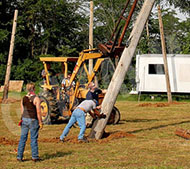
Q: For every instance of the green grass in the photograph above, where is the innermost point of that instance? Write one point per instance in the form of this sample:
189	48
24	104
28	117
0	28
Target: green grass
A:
124	97
153	97
153	145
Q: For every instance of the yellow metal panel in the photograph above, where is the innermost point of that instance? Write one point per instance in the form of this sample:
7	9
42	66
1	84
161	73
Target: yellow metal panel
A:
58	59
96	67
49	86
73	96
86	70
66	70
87	56
82	93
47	74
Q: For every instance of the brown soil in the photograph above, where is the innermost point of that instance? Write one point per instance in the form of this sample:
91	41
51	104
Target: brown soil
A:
4	141
158	104
107	137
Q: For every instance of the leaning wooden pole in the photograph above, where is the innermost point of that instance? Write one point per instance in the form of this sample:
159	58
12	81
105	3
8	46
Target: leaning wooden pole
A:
164	56
121	70
91	35
10	58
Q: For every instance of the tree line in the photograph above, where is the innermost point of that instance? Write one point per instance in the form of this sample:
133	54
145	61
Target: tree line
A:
60	28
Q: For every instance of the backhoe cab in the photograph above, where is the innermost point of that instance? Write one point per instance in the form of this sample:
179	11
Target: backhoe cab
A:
58	100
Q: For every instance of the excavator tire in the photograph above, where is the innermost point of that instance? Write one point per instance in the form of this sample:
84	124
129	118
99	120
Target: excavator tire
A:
49	107
45	113
113	119
114	116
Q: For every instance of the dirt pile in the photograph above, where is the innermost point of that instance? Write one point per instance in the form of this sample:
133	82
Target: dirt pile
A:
107	137
154	105
5	141
158	104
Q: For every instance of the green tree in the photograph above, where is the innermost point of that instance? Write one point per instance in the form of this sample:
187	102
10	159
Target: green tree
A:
61	28
185	36
52	26
44	27
107	13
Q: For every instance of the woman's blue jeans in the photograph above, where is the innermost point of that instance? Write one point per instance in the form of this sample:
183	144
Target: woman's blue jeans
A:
79	116
31	125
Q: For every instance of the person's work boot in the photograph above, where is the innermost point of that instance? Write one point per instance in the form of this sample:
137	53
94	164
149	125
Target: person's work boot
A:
36	159
20	160
62	140
84	140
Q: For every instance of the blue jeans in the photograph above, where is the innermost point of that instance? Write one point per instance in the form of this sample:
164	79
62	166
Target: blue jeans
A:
79	116
33	126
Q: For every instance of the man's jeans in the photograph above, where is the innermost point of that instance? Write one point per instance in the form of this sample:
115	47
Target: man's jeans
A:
79	116
33	126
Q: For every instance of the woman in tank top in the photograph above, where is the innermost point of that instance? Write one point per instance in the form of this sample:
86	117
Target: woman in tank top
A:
31	121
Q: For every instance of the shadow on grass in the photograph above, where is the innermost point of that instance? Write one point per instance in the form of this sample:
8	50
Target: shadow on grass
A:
139	120
160	126
48	156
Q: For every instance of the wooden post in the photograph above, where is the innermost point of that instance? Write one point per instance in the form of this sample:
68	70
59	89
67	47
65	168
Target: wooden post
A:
91	36
120	72
148	36
10	57
164	56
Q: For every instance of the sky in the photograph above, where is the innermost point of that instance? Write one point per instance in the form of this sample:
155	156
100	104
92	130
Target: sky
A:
179	14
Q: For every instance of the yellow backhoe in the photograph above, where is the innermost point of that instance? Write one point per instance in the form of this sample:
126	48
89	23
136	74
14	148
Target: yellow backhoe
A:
58	101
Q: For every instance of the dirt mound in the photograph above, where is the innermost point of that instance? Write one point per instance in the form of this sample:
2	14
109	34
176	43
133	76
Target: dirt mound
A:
5	141
107	137
145	105
57	140
10	100
178	103
158	104
154	105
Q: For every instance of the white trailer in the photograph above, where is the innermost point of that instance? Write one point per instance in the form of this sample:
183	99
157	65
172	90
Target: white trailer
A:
150	75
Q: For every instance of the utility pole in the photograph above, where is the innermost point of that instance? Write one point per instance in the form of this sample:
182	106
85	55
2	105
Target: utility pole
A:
164	55
91	35
10	58
121	70
148	36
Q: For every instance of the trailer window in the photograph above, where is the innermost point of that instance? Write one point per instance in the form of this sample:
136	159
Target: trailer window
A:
156	69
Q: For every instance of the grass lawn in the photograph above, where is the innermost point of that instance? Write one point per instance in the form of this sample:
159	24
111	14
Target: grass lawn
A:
145	138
